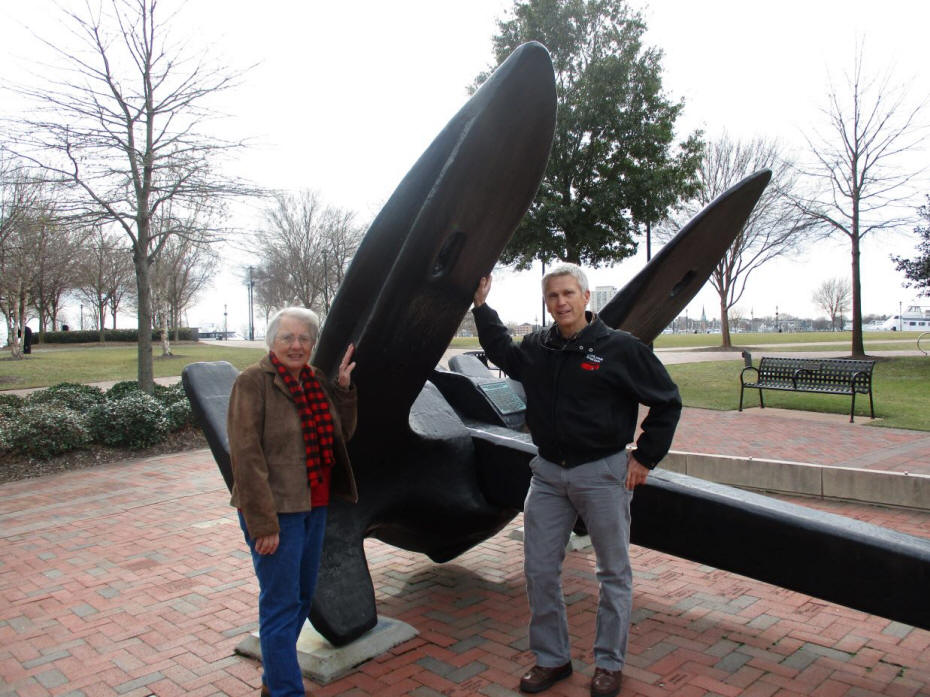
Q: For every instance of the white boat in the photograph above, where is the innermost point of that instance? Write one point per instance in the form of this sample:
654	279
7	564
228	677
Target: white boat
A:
915	318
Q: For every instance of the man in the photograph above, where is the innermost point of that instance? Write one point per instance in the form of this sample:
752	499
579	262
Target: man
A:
584	383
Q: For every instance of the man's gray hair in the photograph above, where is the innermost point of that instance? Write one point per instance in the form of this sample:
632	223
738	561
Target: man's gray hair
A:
567	269
308	317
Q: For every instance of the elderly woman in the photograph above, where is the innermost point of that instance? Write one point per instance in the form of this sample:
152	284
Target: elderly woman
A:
288	426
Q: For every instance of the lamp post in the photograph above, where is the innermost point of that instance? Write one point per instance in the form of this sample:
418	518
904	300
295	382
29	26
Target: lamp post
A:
900	318
251	316
225	324
544	297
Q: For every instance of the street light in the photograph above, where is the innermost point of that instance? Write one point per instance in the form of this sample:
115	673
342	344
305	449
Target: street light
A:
251	316
544	297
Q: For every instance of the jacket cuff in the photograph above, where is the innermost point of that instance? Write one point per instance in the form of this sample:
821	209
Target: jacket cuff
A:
645	460
260	525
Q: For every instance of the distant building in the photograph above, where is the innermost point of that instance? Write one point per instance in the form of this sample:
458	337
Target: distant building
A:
601	296
523	329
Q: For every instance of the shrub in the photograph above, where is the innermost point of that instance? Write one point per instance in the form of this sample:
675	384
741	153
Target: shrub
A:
135	421
44	430
179	415
92	336
123	389
5	424
7	411
12	401
78	397
169	394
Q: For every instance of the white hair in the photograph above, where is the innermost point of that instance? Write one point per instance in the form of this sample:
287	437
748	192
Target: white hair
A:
308	317
567	269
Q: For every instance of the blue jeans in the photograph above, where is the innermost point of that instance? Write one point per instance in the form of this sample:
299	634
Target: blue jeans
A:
286	581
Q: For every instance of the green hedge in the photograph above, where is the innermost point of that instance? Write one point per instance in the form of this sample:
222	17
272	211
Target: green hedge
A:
69	416
89	336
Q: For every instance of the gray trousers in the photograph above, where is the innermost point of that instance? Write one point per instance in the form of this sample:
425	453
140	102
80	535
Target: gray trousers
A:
596	491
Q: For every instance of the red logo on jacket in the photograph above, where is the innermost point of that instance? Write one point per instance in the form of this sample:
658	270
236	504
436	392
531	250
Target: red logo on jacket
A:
591	362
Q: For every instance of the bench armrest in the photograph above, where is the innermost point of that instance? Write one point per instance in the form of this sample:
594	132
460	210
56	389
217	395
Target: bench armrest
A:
868	379
743	371
798	373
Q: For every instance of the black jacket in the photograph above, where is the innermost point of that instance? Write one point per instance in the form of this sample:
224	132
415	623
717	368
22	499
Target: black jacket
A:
583	395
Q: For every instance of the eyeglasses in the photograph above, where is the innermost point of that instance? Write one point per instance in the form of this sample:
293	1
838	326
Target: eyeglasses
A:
288	339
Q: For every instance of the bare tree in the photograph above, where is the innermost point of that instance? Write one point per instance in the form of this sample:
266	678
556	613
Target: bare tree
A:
304	252
833	296
58	243
124	128
15	202
860	186
17	195
104	270
774	229
182	271
271	289
20	251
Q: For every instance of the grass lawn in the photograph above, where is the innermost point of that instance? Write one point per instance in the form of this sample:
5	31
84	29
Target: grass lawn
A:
900	387
772	341
48	365
825	341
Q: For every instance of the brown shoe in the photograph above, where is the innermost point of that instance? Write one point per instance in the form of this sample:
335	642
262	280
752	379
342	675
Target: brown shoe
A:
538	678
606	683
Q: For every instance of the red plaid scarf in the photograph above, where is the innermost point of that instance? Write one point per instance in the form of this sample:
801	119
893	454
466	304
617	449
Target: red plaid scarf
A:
316	421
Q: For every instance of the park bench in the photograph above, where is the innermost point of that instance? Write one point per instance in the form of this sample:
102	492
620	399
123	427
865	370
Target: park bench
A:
820	375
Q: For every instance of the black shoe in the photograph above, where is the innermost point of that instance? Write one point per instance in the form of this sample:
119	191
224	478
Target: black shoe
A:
538	678
606	683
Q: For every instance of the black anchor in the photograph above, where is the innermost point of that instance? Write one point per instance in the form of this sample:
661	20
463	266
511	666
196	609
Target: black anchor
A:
438	474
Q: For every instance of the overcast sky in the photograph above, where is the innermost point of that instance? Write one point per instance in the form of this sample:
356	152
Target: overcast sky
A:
345	96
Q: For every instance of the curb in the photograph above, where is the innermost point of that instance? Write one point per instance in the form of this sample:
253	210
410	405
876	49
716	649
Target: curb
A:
901	489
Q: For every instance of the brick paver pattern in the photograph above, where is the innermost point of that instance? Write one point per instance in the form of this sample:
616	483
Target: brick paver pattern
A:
132	579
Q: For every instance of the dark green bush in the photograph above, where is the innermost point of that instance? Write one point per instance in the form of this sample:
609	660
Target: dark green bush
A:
169	394
75	396
91	336
4	431
179	415
123	389
13	401
44	430
135	421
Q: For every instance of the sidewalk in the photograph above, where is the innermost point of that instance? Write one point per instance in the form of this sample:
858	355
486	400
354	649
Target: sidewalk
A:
132	579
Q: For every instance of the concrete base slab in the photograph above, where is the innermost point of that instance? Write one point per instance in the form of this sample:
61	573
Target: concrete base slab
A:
322	662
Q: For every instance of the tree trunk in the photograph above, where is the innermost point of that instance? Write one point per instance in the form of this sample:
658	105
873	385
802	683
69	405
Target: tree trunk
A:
19	327
858	347
144	315
725	340
165	337
101	321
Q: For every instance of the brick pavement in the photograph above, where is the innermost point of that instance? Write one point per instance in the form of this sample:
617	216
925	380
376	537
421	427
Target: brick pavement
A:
132	579
821	439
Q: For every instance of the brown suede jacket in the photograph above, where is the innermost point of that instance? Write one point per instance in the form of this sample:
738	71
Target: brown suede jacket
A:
267	448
